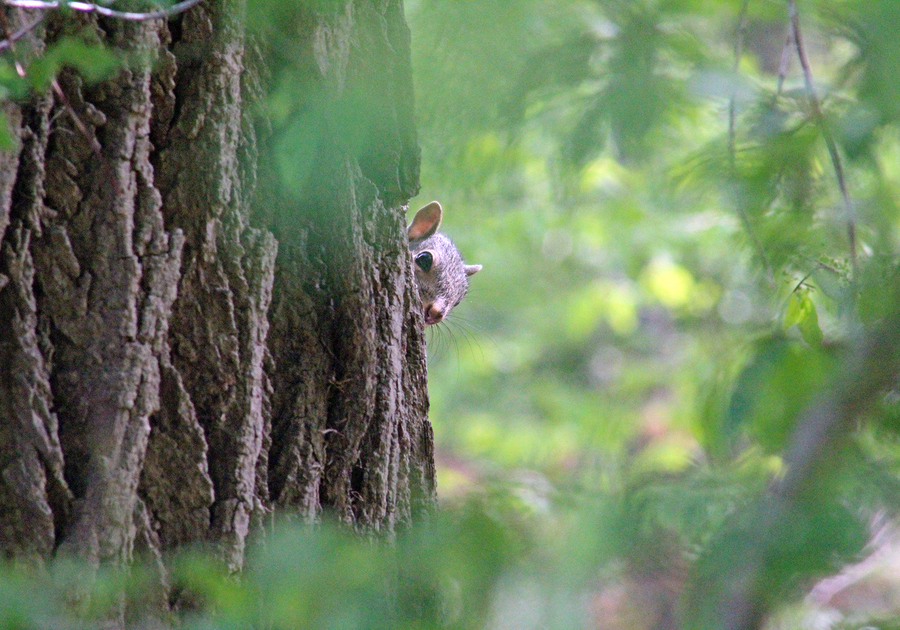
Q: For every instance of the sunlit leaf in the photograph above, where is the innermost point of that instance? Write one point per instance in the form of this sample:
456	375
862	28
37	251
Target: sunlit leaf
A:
809	325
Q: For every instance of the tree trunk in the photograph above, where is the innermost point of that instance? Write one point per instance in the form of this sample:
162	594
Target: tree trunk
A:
187	343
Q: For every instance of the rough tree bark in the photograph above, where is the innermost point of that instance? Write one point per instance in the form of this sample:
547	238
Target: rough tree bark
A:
185	349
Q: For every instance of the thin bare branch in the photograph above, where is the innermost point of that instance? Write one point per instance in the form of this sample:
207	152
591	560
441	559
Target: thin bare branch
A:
7	34
7	43
785	60
89	7
82	128
739	36
826	134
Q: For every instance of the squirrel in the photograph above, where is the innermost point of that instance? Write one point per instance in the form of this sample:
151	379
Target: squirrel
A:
441	274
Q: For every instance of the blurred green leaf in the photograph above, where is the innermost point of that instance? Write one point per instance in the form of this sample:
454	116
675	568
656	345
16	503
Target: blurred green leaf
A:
782	551
774	387
94	61
809	325
801	311
7	141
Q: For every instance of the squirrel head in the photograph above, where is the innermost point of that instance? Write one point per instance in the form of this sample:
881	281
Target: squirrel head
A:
441	274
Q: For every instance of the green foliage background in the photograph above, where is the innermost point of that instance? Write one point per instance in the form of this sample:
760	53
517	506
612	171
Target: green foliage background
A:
641	283
658	309
662	305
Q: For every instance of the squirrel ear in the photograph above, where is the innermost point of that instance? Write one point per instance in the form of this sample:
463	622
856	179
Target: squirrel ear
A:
426	222
472	269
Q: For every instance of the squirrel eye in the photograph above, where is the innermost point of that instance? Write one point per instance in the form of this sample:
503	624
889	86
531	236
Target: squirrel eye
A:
424	260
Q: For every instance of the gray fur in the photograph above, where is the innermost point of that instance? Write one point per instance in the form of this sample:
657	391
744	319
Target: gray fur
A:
445	283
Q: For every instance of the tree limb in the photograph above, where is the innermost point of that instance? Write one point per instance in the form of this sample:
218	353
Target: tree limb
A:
89	7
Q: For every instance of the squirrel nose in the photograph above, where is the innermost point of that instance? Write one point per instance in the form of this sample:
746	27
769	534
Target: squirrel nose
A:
433	314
